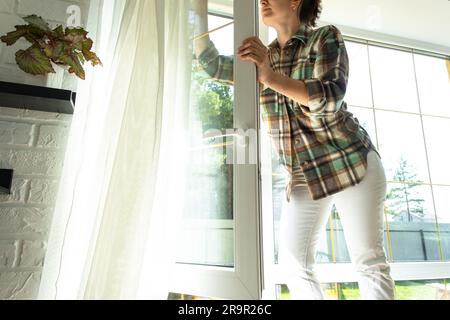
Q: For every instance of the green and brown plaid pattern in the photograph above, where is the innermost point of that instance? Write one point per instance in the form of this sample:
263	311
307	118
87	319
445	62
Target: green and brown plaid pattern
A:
323	140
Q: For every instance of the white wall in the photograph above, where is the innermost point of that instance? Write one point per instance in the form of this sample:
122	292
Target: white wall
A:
33	144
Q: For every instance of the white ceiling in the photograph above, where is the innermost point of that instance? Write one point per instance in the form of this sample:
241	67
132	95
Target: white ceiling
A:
425	21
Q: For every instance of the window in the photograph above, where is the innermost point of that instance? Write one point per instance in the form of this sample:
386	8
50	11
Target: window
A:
208	233
218	240
407	117
390	93
393	79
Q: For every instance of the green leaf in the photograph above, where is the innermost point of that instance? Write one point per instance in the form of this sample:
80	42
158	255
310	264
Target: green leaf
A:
92	57
88	54
53	49
59	32
11	37
33	34
34	61
76	31
76	36
74	63
87	44
37	22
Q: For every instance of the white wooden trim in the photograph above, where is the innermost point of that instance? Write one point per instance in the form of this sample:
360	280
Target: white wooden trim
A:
269	289
247	232
221	7
210	282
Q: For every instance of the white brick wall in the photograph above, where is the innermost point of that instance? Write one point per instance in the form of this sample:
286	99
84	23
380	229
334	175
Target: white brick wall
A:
33	144
11	11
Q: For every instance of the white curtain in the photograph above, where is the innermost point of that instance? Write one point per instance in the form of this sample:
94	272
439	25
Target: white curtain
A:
114	224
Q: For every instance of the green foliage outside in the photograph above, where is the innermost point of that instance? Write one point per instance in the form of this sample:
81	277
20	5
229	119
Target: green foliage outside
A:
214	109
405	290
404	202
215	101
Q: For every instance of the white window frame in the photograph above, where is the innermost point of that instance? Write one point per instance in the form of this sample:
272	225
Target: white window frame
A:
244	280
339	272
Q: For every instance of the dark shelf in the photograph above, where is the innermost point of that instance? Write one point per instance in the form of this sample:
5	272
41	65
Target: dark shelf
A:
23	96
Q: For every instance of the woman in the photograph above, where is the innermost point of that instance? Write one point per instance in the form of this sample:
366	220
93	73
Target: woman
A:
330	158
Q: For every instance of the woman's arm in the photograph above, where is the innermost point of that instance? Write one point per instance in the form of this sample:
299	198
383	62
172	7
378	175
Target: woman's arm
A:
324	93
217	66
291	88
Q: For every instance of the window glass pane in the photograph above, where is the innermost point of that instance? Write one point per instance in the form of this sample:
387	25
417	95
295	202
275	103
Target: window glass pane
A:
207	233
223	38
402	146
435	94
359	91
437	133
393	78
412	233
442	199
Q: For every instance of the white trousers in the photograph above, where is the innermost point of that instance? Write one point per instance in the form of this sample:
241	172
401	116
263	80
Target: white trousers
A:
360	208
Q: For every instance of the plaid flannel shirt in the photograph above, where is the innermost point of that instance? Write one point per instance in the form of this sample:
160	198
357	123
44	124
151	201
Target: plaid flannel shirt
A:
323	141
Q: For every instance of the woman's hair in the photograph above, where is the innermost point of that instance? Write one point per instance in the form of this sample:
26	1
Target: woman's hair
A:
309	12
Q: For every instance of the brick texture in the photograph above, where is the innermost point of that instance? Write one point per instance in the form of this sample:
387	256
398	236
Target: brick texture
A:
32	143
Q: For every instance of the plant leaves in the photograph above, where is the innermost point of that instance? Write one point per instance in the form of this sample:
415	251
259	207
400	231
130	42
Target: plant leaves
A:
53	49
11	37
34	61
88	54
58	32
37	22
32	34
76	32
92	57
63	46
74	63
87	44
76	36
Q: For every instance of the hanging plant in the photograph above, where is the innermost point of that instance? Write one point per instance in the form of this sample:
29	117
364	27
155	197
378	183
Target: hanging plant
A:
66	47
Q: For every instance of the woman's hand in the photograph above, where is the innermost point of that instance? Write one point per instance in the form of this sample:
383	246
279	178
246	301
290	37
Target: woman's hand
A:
253	50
